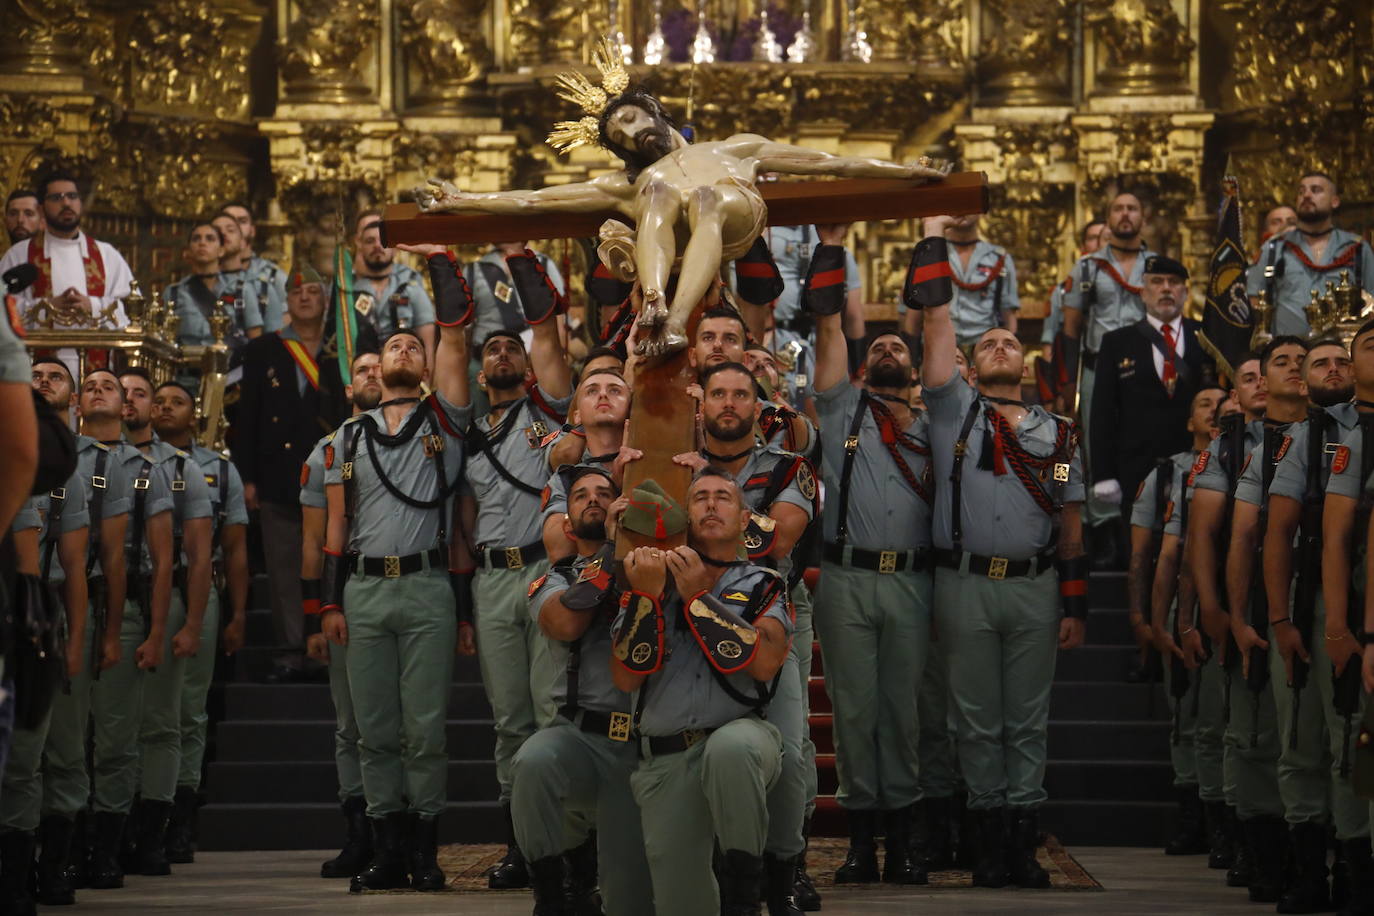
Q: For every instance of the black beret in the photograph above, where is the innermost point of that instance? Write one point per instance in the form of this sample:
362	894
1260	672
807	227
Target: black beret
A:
1161	264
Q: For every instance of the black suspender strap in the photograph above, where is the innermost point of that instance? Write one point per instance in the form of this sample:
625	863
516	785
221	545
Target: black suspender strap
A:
436	453
178	508
1273	269
350	451
223	511
139	521
851	445
512	312
997	297
486	443
97	507
57	501
570	706
956	475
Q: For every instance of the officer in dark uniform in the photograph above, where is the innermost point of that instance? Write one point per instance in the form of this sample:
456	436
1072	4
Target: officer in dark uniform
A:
1008	551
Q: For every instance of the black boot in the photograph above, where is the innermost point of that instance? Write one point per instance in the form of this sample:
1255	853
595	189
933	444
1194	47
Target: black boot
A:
16	873
547	879
934	849
79	854
778	881
1268	841
425	873
510	872
1221	828
581	891
1190	839
1340	874
55	843
966	834
1023	839
128	843
105	871
1360	901
1309	891
357	847
861	862
990	825
387	870
741	883
152	833
808	898
180	848
900	865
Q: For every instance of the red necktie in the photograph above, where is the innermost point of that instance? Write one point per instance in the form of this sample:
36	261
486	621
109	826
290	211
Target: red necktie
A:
1170	374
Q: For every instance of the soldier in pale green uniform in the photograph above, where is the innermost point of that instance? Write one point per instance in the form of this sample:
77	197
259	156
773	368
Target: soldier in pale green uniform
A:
58	522
1252	731
780	489
984	277
267	279
1160	500
529	394
1007	537
174	413
700	638
387	295
581	763
1294	264
386	595
66	783
365	391
1313	793
1103	295
194	297
160	725
873	611
1346	510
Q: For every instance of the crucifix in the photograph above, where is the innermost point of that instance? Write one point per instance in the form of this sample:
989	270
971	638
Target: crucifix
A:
693	207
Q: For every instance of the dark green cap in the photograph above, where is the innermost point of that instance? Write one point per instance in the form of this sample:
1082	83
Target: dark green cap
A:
653	513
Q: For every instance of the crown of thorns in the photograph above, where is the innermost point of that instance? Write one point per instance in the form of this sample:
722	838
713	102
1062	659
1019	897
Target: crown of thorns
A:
575	87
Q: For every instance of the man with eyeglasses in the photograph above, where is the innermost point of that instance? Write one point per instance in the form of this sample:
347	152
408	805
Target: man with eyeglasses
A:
76	273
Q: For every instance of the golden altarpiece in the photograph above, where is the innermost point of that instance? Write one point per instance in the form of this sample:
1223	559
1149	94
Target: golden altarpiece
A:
312	109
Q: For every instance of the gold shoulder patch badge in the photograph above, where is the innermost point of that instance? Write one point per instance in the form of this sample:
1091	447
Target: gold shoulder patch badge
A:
1283	449
590	571
1341	460
328	457
735	596
806	480
536	585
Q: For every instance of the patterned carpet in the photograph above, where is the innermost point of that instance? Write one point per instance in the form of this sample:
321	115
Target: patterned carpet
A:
465	864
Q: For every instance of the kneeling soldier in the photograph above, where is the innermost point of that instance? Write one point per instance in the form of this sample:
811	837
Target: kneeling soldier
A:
703	657
582	762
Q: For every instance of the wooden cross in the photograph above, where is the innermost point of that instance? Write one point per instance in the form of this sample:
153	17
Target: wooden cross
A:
662	422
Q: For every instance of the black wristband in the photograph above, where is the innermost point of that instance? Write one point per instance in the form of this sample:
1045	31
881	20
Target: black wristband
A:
461	583
823	292
332	581
1073	586
928	280
453	301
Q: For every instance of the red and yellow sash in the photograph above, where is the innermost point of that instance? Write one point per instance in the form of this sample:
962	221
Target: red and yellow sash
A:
1120	280
304	360
94	264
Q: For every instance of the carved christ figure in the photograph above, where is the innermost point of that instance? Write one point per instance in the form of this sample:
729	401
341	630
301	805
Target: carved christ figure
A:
693	205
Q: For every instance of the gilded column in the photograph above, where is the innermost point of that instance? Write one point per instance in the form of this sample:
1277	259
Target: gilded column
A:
446	55
322	54
1024	52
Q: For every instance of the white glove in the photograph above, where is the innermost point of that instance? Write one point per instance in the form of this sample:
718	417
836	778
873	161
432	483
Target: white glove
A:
1107	491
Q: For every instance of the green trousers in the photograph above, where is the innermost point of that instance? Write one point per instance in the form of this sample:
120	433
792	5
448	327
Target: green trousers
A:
787	797
21	789
116	700
1207	705
1001	637
1252	749
874	630
938	772
401	637
346	763
514	658
66	781
713	793
803	649
159	721
561	770
197	673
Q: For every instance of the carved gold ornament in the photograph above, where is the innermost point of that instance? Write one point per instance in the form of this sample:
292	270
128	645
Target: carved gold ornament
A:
575	87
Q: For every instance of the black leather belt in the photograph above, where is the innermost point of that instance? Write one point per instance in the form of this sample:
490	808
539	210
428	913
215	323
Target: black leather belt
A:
883	561
995	567
615	726
511	557
395	567
675	744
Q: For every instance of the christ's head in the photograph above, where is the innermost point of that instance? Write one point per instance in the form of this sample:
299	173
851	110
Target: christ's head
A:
636	127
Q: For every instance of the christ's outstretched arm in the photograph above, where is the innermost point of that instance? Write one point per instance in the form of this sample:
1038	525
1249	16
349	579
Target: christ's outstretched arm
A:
609	192
798	160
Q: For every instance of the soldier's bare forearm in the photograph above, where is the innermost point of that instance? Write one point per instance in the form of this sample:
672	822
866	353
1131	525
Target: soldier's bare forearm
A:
1338	527
1163	587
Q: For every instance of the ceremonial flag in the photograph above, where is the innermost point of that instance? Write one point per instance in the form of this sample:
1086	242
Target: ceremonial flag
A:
345	321
1227	322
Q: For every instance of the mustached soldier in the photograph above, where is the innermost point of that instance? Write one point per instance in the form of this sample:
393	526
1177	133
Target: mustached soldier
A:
365	391
1008	536
386	596
780	490
529	394
192	542
49	536
703	654
581	763
66	781
174	414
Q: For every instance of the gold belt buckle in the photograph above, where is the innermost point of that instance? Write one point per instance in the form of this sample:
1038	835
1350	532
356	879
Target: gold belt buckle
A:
887	561
391	567
620	727
693	736
513	558
997	568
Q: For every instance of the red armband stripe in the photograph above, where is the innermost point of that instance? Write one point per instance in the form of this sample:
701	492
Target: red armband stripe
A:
931	272
1073	588
826	278
755	269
